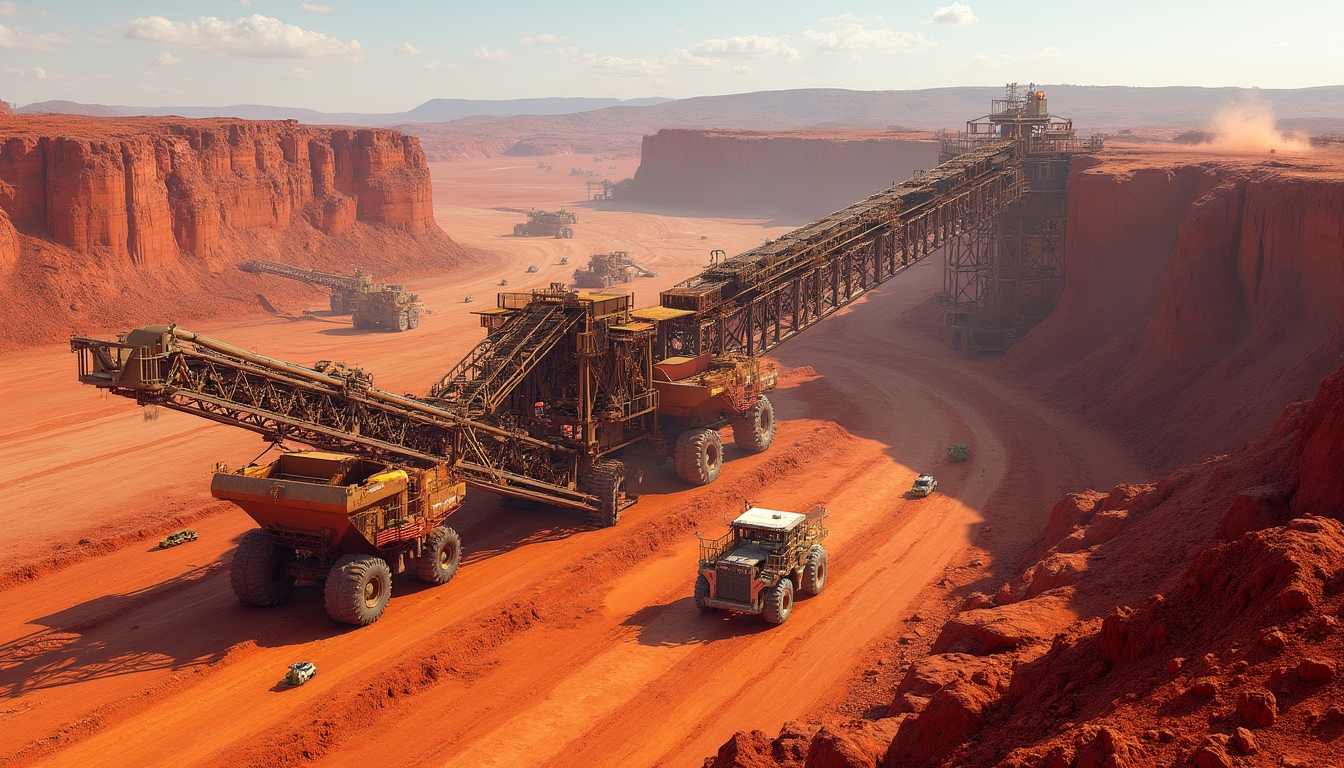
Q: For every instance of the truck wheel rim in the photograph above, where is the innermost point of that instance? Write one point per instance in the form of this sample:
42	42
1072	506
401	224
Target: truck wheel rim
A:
373	590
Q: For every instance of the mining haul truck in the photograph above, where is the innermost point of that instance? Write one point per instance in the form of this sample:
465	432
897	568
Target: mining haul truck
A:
606	269
348	522
765	558
547	224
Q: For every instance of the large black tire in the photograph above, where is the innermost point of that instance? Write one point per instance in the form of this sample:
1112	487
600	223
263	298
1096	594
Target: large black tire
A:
337	305
779	603
259	572
702	594
814	573
756	429
403	322
357	590
413	319
699	456
441	556
358	320
606	481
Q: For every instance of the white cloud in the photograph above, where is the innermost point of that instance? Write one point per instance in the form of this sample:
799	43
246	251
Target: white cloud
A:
432	65
17	39
544	37
314	8
409	50
300	73
848	35
256	36
244	3
166	59
1005	59
18	9
745	47
37	73
954	15
9	9
744	70
497	55
619	66
568	50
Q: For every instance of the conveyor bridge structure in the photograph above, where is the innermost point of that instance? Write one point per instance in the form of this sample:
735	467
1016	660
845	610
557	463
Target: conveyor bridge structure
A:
566	380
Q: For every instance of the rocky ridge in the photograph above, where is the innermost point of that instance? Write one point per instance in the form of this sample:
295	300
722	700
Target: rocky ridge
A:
113	220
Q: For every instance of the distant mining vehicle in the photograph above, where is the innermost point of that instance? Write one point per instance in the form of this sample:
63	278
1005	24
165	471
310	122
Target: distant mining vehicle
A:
372	304
958	453
547	224
348	521
606	269
757	566
533	268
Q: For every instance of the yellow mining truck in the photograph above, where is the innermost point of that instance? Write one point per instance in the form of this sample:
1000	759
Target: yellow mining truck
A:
758	565
699	395
347	521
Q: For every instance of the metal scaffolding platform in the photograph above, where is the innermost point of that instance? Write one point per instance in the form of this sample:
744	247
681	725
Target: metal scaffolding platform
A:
1006	273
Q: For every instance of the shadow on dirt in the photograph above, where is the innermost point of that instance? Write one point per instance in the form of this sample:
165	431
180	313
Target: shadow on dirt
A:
193	620
679	623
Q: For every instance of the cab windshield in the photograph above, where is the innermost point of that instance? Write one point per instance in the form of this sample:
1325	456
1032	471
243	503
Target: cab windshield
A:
765	539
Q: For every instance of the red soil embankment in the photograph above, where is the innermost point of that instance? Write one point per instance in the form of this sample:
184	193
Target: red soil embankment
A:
1201	296
128	220
795	175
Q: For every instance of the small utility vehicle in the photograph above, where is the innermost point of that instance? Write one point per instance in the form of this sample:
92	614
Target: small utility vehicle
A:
924	485
300	672
181	537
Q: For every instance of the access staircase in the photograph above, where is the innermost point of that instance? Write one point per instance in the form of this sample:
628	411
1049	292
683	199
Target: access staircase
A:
485	377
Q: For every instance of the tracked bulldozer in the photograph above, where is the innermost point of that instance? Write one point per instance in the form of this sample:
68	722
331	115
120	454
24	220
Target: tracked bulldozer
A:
371	304
606	269
547	224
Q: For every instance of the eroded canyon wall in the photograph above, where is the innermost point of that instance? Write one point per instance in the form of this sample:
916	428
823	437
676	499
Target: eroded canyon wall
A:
1200	298
123	219
792	175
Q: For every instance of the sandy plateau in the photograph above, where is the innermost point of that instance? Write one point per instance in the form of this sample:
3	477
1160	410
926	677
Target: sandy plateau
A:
562	645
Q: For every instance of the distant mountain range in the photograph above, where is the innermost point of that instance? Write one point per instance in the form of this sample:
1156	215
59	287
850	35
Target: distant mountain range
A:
1100	108
432	111
452	129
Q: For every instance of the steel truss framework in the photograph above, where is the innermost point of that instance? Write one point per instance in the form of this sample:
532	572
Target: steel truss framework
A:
287	402
757	301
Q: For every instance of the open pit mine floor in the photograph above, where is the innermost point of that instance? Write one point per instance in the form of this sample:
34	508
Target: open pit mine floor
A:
557	644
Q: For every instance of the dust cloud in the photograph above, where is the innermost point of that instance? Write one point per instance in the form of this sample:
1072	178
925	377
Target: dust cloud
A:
1249	127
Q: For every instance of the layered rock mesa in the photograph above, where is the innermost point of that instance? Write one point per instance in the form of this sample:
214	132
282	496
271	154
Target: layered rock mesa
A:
148	190
106	221
792	175
1202	294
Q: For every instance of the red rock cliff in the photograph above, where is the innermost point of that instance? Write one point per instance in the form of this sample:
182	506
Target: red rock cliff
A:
1201	297
99	216
796	175
150	189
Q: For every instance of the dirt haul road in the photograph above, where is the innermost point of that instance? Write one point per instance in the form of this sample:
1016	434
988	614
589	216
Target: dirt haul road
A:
556	644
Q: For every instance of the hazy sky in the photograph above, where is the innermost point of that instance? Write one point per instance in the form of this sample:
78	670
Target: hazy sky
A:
391	56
